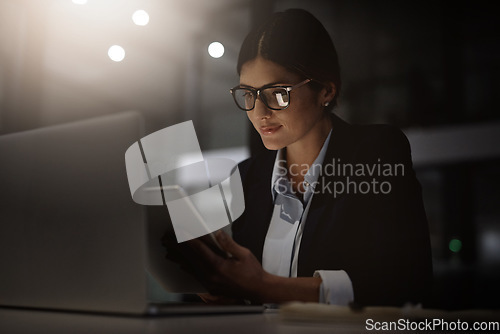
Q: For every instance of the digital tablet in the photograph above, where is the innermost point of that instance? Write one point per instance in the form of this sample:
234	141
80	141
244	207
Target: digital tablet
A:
168	273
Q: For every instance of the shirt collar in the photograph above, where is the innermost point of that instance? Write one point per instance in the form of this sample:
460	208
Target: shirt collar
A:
279	169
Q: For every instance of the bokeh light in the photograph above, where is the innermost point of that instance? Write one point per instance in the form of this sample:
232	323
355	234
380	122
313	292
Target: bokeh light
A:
140	17
455	245
116	53
216	49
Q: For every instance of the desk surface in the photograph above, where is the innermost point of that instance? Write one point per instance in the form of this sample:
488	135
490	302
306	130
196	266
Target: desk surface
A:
14	321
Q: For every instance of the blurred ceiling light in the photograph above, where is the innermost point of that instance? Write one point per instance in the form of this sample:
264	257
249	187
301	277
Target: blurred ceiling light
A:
116	53
80	2
140	17
216	49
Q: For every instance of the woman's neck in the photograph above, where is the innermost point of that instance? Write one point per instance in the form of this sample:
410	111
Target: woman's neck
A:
306	150
301	154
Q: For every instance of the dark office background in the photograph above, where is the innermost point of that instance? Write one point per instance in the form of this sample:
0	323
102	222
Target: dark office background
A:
429	67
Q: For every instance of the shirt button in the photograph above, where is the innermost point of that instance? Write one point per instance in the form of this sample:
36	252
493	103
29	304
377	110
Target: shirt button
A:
306	183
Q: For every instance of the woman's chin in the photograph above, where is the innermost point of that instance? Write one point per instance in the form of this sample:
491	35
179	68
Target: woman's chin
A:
272	146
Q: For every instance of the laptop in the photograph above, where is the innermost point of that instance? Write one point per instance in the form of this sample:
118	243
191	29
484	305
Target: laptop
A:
71	237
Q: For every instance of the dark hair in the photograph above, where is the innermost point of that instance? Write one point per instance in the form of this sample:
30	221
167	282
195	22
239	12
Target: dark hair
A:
296	40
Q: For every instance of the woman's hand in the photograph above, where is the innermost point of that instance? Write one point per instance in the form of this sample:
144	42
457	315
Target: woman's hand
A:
238	276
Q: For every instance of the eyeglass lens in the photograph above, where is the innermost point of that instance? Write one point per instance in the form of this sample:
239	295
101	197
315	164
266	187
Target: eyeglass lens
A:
273	97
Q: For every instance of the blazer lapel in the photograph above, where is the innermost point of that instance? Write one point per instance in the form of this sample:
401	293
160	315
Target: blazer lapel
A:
259	206
324	200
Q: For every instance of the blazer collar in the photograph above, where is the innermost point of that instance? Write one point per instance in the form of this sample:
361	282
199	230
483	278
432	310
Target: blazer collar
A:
259	203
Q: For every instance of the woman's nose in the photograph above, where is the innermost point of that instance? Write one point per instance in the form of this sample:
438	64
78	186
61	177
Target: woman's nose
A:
261	110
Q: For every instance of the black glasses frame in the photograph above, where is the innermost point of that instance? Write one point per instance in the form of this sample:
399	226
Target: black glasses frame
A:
256	93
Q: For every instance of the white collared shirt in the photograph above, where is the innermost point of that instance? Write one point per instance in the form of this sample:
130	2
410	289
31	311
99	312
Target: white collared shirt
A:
282	243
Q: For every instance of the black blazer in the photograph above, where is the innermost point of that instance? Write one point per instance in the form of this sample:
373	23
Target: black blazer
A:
380	240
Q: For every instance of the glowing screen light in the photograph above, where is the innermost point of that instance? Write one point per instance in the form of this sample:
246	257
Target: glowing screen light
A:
455	245
116	53
80	2
140	17
216	49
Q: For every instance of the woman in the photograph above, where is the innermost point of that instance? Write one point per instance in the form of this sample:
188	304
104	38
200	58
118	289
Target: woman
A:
333	211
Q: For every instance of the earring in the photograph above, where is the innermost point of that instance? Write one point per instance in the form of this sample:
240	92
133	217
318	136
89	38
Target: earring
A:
326	104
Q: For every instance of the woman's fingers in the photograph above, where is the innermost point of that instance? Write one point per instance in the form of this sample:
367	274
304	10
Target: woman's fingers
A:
219	274
215	299
230	245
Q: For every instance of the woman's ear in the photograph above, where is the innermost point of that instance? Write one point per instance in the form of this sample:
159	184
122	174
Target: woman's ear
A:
328	93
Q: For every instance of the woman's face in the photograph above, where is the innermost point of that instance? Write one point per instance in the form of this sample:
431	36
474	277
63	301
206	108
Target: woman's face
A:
300	123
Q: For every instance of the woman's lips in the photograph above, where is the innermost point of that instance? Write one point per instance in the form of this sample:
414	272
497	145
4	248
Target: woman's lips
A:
269	130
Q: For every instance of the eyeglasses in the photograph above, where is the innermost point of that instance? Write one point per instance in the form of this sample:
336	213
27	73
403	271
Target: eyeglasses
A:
274	97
